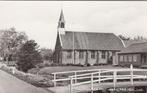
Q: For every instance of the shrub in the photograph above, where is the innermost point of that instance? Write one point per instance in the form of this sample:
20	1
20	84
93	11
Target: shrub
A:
34	70
96	64
38	81
57	64
40	65
88	64
74	64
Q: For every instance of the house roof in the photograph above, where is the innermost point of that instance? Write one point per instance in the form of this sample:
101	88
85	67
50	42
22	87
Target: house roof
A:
130	42
135	48
91	41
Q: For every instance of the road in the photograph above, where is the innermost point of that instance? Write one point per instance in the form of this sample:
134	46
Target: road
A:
11	84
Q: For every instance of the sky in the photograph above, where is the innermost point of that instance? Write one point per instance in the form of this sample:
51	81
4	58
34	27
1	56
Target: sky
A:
39	19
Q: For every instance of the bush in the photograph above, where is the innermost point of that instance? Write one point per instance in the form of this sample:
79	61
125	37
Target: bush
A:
57	64
6	69
47	64
38	81
41	65
34	70
96	64
74	65
28	56
88	64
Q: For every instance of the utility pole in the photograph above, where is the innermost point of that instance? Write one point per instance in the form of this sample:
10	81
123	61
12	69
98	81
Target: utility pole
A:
73	48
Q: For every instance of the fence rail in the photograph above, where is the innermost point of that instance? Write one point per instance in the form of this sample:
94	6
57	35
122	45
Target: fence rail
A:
74	73
101	75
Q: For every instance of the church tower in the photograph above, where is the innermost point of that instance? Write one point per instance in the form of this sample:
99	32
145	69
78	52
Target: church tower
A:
61	24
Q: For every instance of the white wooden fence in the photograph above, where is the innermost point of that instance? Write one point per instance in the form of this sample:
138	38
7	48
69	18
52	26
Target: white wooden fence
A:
74	73
102	75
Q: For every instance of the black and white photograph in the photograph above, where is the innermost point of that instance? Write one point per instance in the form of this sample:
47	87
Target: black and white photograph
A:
73	46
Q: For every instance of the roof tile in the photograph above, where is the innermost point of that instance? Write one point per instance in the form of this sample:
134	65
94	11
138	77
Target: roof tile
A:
91	41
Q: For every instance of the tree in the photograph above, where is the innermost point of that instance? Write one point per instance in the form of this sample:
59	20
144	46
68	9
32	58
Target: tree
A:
28	56
46	53
10	42
123	37
140	38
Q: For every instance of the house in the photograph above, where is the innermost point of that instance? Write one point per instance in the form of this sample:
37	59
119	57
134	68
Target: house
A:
135	54
132	41
74	47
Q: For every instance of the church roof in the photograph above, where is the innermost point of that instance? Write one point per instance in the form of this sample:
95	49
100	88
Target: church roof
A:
136	48
90	41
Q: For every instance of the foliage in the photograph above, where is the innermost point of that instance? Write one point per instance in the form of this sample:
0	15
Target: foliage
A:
140	38
10	42
46	53
36	80
123	37
88	64
132	38
33	70
28	56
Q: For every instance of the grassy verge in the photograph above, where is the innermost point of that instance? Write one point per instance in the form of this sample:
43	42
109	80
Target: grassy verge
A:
36	80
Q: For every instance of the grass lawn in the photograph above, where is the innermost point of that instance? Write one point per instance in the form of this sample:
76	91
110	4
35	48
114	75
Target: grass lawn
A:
49	70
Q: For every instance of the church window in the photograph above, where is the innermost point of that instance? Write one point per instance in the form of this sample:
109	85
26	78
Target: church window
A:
81	54
69	54
103	54
134	58
125	58
130	58
93	54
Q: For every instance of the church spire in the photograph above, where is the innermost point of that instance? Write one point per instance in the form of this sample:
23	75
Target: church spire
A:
61	23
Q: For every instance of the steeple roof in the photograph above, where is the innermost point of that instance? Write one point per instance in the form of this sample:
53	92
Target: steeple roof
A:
61	19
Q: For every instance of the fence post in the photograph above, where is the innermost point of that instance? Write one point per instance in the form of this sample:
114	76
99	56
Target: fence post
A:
71	84
131	72
99	76
54	79
13	70
114	78
75	77
91	82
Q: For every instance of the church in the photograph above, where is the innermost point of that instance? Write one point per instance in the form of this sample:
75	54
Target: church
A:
84	48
